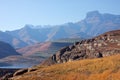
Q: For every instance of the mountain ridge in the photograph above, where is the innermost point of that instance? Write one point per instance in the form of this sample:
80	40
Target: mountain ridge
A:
95	23
46	48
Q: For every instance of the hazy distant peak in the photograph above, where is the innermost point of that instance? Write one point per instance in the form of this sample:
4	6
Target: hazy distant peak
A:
28	26
69	23
42	26
93	13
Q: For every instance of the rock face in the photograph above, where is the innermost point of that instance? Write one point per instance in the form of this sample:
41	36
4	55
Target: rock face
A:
6	50
104	45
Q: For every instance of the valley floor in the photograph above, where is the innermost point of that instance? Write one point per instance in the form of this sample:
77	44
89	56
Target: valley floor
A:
107	68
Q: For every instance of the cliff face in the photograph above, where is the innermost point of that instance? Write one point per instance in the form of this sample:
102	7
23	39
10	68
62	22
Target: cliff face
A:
103	45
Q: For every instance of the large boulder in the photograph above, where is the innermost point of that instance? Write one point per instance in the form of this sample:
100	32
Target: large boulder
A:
20	72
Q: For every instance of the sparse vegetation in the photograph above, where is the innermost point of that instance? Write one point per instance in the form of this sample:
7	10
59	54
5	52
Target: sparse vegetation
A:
107	68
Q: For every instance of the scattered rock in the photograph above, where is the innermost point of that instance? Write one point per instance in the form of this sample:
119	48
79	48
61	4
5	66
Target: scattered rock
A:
20	72
5	77
31	69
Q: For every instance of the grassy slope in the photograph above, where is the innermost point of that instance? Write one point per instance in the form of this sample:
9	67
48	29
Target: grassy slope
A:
107	68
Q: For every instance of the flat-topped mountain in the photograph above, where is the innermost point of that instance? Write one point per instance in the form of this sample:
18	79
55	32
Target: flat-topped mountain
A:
6	50
94	24
103	45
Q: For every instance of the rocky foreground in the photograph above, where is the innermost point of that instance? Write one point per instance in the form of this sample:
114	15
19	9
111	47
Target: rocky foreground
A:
107	68
5	73
106	44
73	63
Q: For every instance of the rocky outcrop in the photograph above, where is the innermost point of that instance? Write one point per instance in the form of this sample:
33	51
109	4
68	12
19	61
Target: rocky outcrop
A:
22	71
104	45
6	76
19	72
6	73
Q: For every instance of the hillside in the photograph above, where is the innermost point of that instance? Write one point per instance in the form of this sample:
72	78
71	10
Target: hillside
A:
6	50
45	49
32	55
15	42
107	68
90	59
94	24
103	45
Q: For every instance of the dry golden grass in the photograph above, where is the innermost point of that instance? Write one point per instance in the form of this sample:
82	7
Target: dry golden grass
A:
107	68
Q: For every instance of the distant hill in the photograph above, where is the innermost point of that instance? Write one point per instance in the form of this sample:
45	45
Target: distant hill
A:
103	45
44	50
15	42
94	24
35	54
6	50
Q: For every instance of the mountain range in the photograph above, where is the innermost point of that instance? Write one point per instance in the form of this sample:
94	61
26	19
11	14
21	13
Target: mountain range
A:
89	59
94	24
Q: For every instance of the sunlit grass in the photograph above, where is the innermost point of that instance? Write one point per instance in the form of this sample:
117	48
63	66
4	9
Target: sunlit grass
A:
107	68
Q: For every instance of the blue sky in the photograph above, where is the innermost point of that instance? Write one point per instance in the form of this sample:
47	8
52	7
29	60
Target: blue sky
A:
15	14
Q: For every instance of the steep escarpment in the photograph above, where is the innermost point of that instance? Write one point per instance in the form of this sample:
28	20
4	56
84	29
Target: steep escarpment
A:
103	45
